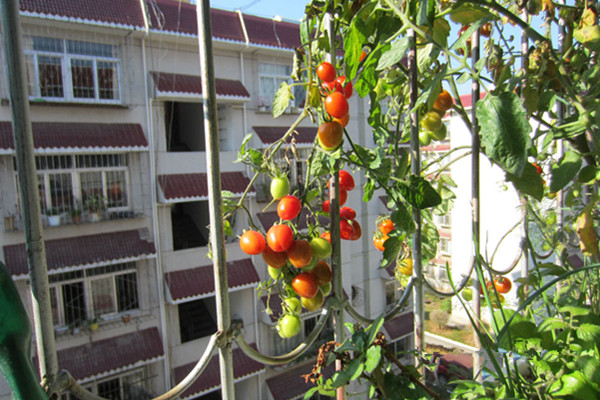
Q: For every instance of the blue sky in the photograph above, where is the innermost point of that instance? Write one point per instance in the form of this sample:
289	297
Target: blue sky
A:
286	9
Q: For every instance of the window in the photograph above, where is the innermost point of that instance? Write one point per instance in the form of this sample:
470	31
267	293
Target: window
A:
270	77
81	295
296	168
68	182
445	220
444	246
196	319
401	347
392	293
129	386
71	70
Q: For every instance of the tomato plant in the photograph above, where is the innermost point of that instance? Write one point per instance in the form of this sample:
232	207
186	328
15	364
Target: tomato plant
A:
292	306
344	87
305	285
274	259
280	237
326	72
289	207
347	213
502	284
300	253
336	105
330	135
379	241
280	187
346	229
405	266
289	326
443	102
252	242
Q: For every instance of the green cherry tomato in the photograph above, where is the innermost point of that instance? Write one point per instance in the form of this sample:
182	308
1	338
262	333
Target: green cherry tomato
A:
321	248
288	326
326	289
314	303
425	138
280	187
274	273
431	121
440	134
292	305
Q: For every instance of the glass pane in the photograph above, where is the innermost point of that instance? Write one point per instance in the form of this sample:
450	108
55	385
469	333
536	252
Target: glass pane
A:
91	185
54	306
41	43
107	80
61	191
82	72
89	49
110	389
30	71
133	387
127	295
103	296
267	90
74	303
117	194
50	76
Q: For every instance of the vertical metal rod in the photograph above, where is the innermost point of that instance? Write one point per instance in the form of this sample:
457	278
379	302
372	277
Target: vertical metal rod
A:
560	113
28	185
475	177
418	296
217	236
524	66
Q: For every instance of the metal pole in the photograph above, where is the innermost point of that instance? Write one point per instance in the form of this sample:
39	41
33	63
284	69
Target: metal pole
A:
28	185
418	296
475	177
217	236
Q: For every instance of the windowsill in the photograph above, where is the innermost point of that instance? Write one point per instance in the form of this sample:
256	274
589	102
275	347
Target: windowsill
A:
17	224
108	322
43	102
268	110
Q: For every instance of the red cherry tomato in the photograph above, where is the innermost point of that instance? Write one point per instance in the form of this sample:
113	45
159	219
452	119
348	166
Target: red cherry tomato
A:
289	207
274	259
326	236
336	105
280	237
326	205
347	213
345	87
502	284
322	271
330	87
252	242
300	253
343	196
305	285
357	230
346	180
346	229
326	72
330	135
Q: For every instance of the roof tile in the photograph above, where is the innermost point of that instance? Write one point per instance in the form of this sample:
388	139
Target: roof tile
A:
80	251
270	134
191	84
185	187
399	326
291	384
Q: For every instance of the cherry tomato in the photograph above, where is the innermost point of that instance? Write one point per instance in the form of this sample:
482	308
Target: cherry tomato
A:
336	105
440	134
363	54
386	226
280	187
292	306
280	237
322	272
326	205
346	180
321	248
289	326
443	102
326	289
326	72
538	169
406	266
305	285
344	120
343	196
486	29
274	273
326	236
289	207
347	213
315	303
425	138
379	240
330	135
274	259
345	88
346	229
330	87
502	284
300	253
252	242
357	230
431	121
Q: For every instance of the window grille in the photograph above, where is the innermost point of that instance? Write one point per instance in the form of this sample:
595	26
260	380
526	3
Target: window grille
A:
270	77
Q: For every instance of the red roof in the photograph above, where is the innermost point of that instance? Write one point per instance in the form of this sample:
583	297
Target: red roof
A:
109	356
187	187
191	84
84	251
291	383
400	325
243	366
188	284
263	31
270	134
123	13
76	136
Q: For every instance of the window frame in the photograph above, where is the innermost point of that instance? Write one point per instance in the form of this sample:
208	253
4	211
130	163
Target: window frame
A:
276	77
66	73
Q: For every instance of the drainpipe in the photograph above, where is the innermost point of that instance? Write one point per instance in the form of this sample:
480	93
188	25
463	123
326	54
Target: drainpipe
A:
23	135
153	200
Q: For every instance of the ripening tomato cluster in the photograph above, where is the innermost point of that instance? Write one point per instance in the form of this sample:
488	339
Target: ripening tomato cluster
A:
433	128
485	30
384	227
500	284
350	229
336	91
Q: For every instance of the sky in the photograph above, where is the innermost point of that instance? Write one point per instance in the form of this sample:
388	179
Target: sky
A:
286	9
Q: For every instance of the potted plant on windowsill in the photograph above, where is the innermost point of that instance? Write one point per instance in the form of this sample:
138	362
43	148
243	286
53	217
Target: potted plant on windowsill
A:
53	215
76	215
92	324
95	205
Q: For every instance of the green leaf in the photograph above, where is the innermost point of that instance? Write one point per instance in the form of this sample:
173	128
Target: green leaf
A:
574	385
340	378
355	368
310	392
574	311
374	328
465	14
419	193
529	183
504	131
282	99
590	367
426	12
441	30
396	52
565	172
373	358
552	323
589	333
367	80
391	247
353	43
402	218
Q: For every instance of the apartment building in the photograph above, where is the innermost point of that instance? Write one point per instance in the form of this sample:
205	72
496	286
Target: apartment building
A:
116	108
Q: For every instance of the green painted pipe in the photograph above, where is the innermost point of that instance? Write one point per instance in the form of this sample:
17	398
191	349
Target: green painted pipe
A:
15	343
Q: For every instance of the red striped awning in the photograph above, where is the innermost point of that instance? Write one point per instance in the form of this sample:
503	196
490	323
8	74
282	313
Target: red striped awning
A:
193	187
78	137
84	251
291	384
243	368
399	326
194	283
178	85
270	134
101	358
